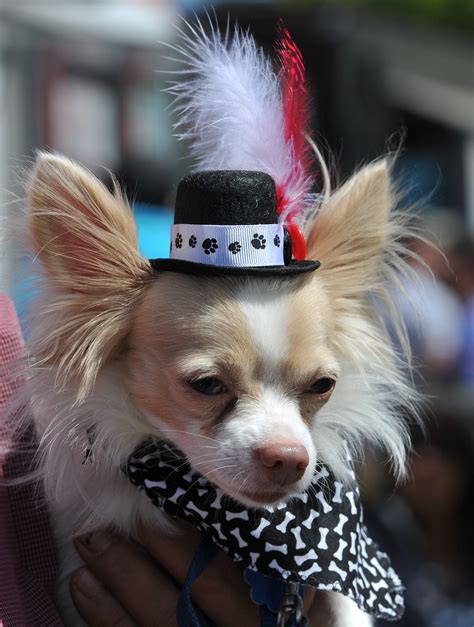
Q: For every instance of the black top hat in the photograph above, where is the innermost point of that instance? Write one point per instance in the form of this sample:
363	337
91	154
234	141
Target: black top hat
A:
226	222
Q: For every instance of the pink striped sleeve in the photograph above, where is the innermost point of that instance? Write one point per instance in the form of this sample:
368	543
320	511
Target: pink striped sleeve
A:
27	559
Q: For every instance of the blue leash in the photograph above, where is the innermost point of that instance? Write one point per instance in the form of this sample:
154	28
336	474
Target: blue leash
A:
274	593
187	614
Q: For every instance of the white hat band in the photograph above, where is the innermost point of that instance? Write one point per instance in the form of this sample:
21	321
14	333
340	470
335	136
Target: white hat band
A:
246	246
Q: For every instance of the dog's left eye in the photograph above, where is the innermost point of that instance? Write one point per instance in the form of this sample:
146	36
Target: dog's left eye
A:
208	385
322	386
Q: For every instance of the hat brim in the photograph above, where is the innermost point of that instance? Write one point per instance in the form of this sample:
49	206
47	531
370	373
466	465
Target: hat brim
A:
191	267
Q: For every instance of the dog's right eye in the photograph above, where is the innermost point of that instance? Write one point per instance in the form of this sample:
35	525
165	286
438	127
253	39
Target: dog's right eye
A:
208	385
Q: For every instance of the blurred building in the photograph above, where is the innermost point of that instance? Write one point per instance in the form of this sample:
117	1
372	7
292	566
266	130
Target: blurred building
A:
84	78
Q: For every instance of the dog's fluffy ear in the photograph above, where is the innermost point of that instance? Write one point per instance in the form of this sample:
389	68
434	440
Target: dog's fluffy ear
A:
83	235
358	235
349	234
86	240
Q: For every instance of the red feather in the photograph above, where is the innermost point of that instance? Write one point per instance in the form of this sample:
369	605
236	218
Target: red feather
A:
295	96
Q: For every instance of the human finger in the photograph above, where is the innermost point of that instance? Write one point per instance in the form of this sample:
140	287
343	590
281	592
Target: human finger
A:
95	604
146	593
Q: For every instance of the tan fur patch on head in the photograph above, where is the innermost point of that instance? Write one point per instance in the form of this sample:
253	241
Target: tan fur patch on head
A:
311	331
311	345
183	327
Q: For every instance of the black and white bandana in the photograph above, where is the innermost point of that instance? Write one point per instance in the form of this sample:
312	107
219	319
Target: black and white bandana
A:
318	538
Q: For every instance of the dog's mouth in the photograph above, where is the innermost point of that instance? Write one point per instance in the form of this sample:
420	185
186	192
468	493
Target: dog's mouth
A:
258	493
257	497
265	497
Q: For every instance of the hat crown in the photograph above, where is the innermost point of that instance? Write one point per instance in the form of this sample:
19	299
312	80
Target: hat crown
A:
226	222
226	197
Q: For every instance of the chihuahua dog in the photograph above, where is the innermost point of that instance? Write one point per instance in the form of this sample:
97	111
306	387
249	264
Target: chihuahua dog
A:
254	379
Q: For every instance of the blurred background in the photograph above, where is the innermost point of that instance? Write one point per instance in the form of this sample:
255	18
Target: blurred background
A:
83	78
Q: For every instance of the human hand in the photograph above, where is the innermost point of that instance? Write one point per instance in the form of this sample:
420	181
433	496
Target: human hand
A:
123	583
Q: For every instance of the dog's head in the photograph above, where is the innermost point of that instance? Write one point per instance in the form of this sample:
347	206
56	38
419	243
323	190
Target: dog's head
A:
254	379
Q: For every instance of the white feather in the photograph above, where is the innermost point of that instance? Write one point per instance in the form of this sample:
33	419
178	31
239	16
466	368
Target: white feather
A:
229	107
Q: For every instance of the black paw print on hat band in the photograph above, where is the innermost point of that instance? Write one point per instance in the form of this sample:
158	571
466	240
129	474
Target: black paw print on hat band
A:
192	241
235	248
210	245
178	242
277	241
258	241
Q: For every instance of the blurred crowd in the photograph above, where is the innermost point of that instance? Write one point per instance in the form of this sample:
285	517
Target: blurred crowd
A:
442	338
427	524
